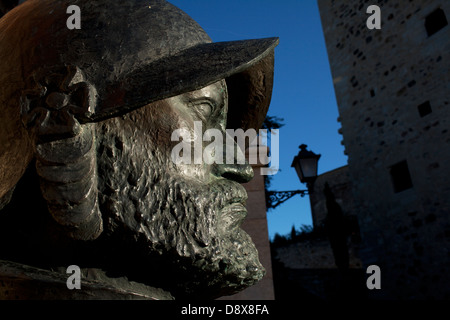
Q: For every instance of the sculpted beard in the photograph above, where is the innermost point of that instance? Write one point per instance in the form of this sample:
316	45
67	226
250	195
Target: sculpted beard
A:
187	240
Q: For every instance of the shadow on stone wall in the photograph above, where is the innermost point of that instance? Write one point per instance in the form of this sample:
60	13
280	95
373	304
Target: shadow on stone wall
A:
304	268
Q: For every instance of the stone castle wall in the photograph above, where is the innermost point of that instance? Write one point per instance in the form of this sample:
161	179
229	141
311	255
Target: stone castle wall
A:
393	89
340	184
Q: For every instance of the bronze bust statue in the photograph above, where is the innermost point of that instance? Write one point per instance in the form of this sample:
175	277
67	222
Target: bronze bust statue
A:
86	175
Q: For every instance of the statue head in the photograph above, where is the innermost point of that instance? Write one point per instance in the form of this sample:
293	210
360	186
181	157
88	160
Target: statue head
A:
86	143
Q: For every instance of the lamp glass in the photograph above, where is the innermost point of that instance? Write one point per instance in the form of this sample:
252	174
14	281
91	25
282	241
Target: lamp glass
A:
309	167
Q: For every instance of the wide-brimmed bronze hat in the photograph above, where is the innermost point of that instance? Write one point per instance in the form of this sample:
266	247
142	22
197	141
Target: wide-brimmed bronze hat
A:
131	53
135	52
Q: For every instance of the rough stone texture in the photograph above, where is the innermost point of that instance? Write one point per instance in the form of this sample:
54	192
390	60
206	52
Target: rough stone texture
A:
308	262
312	254
341	187
305	270
380	78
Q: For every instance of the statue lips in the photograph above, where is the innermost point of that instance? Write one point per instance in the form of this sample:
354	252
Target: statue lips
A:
233	215
234	211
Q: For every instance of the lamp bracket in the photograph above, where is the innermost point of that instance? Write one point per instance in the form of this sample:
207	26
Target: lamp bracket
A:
275	198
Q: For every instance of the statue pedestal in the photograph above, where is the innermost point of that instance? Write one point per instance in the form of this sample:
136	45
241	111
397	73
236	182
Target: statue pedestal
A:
22	282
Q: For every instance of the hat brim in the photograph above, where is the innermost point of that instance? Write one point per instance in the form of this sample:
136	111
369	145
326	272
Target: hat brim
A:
190	70
250	92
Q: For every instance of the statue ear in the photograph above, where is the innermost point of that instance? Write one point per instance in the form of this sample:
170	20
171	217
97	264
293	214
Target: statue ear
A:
65	149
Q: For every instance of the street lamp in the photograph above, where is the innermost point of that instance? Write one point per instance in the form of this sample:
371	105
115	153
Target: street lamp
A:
305	164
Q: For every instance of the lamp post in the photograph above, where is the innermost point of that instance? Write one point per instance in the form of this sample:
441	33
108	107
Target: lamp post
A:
305	164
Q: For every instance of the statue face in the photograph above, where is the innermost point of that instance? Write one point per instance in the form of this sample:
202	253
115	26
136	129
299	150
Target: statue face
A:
175	226
76	188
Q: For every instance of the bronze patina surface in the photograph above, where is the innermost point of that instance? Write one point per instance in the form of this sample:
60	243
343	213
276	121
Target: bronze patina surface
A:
86	174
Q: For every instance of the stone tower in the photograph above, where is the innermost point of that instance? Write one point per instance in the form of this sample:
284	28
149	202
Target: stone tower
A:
393	90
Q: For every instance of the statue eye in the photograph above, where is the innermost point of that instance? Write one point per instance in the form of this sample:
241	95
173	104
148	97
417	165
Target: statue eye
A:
203	109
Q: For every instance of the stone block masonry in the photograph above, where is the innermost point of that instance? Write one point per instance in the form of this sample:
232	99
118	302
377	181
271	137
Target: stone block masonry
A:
392	88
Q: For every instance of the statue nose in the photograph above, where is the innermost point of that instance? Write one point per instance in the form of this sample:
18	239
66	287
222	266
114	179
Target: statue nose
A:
234	167
237	172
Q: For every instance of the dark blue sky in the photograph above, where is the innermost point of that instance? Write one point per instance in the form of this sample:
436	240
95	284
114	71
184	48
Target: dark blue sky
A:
303	91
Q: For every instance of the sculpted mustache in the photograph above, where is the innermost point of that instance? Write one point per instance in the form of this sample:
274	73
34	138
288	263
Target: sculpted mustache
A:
226	192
